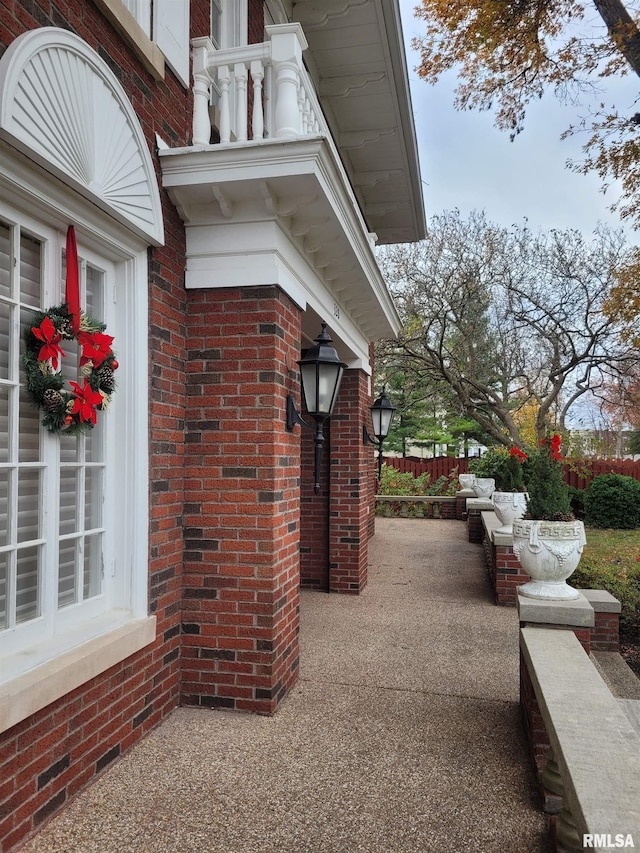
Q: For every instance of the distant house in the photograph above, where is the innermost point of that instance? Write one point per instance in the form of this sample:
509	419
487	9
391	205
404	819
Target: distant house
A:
227	167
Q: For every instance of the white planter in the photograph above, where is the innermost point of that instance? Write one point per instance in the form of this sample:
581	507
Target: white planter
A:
483	487
466	480
509	506
549	552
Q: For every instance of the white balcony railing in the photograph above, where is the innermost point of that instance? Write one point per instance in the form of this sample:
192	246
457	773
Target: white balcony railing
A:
284	102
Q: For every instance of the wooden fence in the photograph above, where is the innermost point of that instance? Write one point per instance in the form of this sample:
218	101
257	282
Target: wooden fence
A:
576	473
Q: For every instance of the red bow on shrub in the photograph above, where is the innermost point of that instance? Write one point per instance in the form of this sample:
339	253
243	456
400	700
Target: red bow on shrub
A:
515	451
554	443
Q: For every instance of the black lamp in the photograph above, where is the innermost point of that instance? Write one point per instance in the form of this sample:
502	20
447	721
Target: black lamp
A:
321	371
382	413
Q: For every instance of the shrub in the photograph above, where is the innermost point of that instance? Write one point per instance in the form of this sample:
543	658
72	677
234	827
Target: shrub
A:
548	493
393	482
576	499
613	501
503	466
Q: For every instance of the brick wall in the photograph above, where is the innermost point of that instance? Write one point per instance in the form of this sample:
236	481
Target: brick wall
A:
48	758
605	634
352	486
314	509
505	572
241	586
475	529
537	738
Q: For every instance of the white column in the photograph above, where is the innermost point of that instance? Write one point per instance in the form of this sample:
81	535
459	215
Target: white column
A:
287	44
201	130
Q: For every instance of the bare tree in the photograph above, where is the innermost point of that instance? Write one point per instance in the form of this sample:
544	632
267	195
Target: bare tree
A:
506	318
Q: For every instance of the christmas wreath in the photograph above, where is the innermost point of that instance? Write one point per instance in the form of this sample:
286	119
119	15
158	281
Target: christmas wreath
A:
69	411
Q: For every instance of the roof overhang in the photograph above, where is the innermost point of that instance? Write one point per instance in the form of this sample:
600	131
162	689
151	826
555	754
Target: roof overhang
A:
357	59
282	212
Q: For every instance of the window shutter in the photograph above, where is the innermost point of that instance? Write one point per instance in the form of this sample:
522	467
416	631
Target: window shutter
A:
171	34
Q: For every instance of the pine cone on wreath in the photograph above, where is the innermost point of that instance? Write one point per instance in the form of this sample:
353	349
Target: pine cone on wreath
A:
52	399
107	380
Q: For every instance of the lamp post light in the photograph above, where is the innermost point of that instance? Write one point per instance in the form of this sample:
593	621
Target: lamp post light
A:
321	372
382	413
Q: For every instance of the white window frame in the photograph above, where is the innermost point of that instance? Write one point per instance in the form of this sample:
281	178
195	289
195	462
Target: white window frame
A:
49	666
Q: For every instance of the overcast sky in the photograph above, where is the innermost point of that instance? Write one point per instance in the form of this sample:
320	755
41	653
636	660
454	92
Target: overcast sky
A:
467	163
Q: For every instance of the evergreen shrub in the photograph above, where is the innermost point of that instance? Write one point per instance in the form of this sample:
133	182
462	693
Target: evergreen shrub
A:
613	501
548	494
501	465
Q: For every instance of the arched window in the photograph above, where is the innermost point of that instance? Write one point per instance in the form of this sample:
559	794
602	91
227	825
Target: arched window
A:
73	509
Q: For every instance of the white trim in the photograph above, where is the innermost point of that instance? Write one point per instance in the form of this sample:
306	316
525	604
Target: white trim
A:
24	695
301	185
61	105
135	36
79	651
171	33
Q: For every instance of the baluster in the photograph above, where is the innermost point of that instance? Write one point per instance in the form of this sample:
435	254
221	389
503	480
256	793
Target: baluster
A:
257	117
240	74
224	81
306	116
301	105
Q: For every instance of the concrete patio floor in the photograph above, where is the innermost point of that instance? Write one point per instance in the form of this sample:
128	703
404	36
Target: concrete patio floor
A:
402	734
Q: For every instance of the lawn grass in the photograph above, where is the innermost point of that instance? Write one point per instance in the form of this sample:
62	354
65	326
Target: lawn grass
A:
611	561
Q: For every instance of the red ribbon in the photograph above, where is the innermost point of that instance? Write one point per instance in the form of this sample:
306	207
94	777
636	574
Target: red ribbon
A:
72	292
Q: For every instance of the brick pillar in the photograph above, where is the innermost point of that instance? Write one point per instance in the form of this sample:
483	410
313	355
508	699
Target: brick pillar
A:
314	509
351	501
241	521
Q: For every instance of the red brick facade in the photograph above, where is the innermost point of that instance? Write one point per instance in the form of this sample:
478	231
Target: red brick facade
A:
352	486
46	759
505	572
234	523
337	523
242	515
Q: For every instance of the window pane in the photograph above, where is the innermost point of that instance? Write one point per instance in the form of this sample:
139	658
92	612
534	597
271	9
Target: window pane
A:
5	260
29	429
4	423
28	504
67	572
27	583
216	22
69	448
94	440
3	590
68	500
92	566
30	270
4	508
93	499
5	327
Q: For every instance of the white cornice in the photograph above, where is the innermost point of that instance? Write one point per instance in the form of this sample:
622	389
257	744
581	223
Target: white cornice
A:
300	185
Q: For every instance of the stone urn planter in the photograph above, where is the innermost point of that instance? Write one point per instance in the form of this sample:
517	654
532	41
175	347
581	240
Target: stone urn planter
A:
508	507
483	486
466	480
549	552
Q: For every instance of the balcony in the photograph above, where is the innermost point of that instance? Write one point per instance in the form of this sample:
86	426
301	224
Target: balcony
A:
266	194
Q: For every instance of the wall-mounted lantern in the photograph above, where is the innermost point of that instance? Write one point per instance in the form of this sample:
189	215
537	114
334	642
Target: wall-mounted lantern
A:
382	413
321	372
